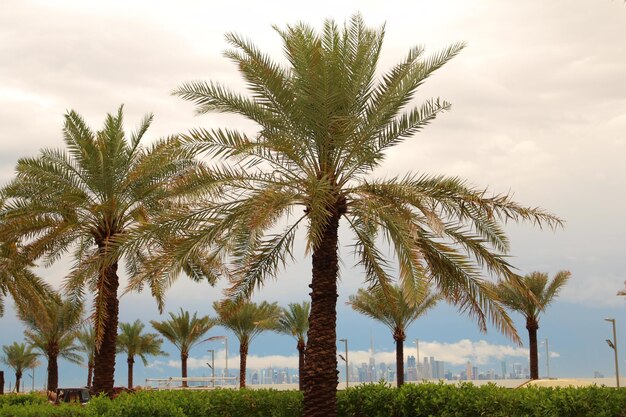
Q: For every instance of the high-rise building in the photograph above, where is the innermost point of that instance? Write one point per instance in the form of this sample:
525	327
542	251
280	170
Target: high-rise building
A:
411	368
468	370
503	365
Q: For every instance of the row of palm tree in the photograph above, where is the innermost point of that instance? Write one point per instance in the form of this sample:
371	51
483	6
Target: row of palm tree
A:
325	121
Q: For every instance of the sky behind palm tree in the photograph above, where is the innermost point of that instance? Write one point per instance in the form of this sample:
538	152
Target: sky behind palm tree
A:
538	108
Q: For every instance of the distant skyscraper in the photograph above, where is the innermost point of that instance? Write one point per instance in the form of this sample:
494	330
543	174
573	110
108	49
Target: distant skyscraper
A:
411	368
372	367
468	370
503	364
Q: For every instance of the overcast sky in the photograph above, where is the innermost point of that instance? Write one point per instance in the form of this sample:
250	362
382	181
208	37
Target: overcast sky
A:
539	110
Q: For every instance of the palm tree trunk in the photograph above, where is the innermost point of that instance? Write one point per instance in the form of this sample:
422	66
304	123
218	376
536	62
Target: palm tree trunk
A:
301	347
1	382
130	361
183	364
321	374
104	358
89	374
53	371
532	327
18	377
243	358
399	359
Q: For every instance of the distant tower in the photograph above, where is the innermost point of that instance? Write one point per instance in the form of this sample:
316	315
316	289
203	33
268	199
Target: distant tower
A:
372	367
468	370
503	369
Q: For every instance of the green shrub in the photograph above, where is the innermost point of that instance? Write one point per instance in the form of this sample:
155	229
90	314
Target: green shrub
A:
373	400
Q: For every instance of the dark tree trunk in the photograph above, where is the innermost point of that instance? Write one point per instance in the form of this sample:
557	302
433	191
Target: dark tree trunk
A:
301	350
183	364
1	382
18	377
243	359
321	374
53	370
89	374
130	361
104	360
532	327
399	359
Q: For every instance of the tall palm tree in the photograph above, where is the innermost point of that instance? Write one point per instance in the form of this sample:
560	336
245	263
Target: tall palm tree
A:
132	342
86	338
531	300
294	321
247	320
396	308
52	329
184	332
85	199
326	120
19	356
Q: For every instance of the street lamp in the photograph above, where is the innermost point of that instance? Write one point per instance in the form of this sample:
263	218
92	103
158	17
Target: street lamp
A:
225	338
345	341
212	366
547	357
613	346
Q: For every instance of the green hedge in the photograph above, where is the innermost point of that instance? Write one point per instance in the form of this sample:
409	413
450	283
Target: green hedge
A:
424	400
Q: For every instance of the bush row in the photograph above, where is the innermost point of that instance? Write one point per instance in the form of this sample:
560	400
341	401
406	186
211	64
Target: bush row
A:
376	400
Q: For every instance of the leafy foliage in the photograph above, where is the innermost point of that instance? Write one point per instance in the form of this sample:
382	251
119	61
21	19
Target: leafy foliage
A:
133	342
183	330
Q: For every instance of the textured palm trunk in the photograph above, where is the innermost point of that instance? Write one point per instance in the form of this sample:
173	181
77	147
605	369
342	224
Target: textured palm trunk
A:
243	359
183	364
301	350
399	359
89	374
532	327
104	358
130	361
18	378
1	382
53	370
320	369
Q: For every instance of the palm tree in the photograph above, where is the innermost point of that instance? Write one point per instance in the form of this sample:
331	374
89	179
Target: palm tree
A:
531	300
396	308
85	199
86	338
184	332
19	356
132	342
325	121
294	321
52	329
16	277
246	319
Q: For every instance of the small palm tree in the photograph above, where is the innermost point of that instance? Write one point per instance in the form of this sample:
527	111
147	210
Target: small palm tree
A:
246	319
184	332
396	308
86	338
294	321
531	300
52	330
19	356
85	200
133	343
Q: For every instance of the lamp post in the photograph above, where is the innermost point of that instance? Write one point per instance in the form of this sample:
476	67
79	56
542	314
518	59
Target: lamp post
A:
345	341
225	338
613	345
212	365
547	357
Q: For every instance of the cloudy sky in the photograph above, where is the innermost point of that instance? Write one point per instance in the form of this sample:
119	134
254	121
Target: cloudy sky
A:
539	110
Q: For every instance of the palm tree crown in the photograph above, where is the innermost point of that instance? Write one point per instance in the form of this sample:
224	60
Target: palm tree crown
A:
294	321
247	320
530	300
184	331
19	356
132	342
325	120
85	199
52	330
396	308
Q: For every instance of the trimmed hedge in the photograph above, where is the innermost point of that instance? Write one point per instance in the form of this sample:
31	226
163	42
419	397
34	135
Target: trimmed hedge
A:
374	400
